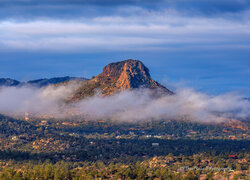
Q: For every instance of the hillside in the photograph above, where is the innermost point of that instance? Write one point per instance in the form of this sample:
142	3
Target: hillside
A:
56	80
7	82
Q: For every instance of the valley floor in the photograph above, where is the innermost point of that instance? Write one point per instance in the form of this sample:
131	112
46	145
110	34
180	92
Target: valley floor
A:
78	149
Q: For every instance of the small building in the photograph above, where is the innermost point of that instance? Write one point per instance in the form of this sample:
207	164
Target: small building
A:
233	156
26	116
157	136
14	138
155	144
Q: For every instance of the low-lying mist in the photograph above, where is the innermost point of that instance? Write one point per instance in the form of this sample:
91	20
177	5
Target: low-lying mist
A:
126	106
50	100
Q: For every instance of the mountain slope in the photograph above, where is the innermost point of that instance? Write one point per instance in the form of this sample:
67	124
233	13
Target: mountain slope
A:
8	82
56	80
10	126
120	76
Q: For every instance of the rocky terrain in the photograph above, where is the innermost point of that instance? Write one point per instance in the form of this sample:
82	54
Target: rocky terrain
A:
120	76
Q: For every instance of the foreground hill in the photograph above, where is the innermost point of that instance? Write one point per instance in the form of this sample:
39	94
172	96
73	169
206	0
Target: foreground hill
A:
120	76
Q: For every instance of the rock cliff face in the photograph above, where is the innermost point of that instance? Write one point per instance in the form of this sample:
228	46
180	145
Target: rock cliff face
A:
120	76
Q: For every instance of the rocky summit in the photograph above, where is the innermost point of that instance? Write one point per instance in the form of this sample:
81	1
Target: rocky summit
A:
120	76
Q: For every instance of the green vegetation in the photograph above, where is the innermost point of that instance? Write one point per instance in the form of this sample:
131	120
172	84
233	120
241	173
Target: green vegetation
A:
163	167
39	148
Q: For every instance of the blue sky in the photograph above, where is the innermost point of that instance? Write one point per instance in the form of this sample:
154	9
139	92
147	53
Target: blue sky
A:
203	44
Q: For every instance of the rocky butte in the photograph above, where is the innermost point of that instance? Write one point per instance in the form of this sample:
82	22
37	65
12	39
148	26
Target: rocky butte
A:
119	76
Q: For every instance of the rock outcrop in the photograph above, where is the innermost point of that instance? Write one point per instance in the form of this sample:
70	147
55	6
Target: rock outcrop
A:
120	76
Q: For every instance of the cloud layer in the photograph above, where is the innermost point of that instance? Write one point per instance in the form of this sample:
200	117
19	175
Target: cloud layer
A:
127	106
56	7
187	104
166	30
129	26
16	101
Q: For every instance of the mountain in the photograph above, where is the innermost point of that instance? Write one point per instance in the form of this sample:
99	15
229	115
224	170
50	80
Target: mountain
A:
8	82
56	80
120	76
39	82
115	77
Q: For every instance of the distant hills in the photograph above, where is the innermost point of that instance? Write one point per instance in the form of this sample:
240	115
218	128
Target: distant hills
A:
8	82
39	82
56	80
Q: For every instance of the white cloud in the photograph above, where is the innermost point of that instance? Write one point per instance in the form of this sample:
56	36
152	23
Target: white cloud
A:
145	29
28	99
186	104
136	105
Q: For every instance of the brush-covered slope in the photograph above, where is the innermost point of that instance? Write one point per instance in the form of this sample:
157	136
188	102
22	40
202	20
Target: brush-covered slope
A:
119	76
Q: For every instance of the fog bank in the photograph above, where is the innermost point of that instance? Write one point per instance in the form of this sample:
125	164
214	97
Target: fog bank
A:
127	106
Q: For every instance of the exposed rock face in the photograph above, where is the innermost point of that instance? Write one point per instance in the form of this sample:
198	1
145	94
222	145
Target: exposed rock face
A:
120	76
